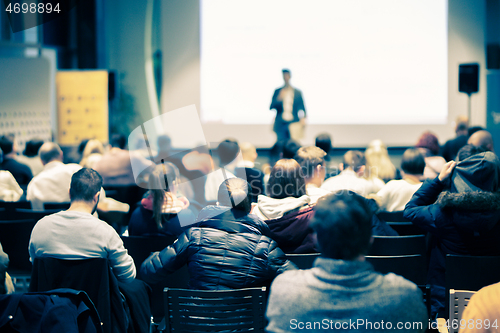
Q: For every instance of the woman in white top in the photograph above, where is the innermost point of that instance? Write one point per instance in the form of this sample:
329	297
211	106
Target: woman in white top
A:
396	193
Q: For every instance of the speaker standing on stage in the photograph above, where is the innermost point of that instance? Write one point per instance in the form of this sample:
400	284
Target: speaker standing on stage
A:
288	101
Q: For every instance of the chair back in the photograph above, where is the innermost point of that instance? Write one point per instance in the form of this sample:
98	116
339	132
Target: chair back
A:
303	261
15	237
7	209
240	310
94	276
56	205
397	245
28	214
396	216
406	228
459	299
411	267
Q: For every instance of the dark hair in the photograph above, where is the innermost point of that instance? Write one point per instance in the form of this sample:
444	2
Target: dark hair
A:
164	143
160	188
290	148
467	151
413	162
32	147
227	151
342	222
309	158
430	141
85	183
118	141
82	145
234	192
7	143
286	180
474	129
286	70
354	159
324	141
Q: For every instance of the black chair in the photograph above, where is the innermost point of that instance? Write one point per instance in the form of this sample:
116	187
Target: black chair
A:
15	237
28	214
139	248
56	205
94	276
396	216
303	261
411	267
470	273
397	245
426	293
406	228
240	310
7	209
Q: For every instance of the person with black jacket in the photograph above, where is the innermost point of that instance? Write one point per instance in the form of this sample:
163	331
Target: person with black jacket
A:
227	249
461	210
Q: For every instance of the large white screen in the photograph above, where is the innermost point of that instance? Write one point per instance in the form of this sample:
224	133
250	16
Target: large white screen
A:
356	61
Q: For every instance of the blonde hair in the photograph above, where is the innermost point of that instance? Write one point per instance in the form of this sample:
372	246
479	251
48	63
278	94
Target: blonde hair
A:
92	147
378	163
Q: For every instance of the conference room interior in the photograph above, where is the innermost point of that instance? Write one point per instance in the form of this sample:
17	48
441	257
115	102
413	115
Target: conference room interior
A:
204	71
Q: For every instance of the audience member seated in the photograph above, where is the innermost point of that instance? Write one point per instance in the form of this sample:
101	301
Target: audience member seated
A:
351	177
379	168
161	212
290	148
461	209
324	141
76	234
482	313
9	188
246	169
228	249
92	153
6	285
228	152
51	185
21	172
395	194
429	145
116	166
287	209
30	157
482	139
342	290
452	146
312	163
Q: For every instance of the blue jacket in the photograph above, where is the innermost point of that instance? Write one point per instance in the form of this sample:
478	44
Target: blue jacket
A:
227	249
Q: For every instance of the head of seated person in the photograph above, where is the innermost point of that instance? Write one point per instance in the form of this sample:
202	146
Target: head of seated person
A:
483	139
227	151
342	225
354	160
85	190
413	163
290	148
234	193
50	152
312	162
286	180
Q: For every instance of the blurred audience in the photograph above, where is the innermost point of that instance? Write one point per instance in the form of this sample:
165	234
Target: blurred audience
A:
286	209
461	209
30	157
92	153
379	168
482	139
452	146
429	146
246	170
324	141
161	212
396	193
21	172
228	248
342	286
351	176
117	166
311	160
9	188
6	285
290	148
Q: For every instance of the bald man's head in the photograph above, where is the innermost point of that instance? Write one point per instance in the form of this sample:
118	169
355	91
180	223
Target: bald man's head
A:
482	139
49	152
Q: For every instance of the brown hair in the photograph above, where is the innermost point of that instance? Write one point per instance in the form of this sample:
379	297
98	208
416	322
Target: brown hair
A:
286	180
161	189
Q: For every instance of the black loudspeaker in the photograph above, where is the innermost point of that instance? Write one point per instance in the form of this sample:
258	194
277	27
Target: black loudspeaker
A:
468	78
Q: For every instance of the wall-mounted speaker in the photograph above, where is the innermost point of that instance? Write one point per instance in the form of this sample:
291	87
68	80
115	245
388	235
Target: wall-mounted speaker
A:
468	78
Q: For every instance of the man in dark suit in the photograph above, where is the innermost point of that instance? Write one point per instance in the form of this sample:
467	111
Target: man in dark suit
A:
287	101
